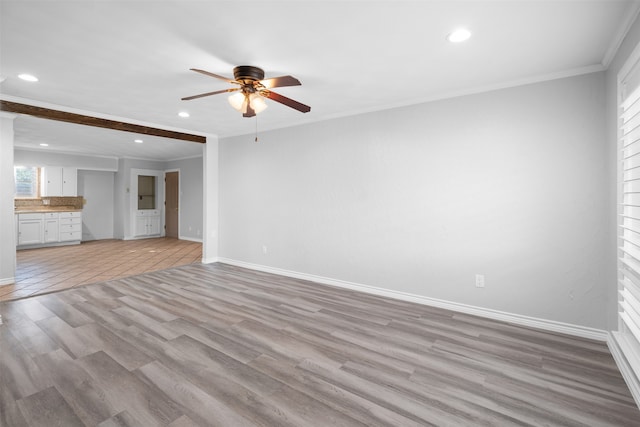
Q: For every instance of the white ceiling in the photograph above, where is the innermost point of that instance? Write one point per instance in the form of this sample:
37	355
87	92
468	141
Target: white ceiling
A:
131	59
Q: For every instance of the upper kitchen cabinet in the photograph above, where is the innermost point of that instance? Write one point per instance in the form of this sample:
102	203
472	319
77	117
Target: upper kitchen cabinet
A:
59	181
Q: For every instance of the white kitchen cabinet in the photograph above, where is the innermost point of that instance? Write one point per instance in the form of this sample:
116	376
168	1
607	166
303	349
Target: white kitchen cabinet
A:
58	181
70	226
148	223
69	182
48	229
51	227
30	229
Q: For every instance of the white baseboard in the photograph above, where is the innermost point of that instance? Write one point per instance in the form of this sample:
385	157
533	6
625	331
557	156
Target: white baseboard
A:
621	358
7	281
211	260
191	239
533	322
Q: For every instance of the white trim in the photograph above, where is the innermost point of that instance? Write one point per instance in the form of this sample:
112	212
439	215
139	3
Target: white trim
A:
71	153
7	281
191	239
624	366
196	156
630	16
532	322
212	260
438	97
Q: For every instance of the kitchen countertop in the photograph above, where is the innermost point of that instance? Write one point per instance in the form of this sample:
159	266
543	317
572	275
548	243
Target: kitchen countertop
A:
45	209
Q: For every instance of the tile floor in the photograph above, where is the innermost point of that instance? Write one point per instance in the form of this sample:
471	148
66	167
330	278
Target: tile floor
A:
50	269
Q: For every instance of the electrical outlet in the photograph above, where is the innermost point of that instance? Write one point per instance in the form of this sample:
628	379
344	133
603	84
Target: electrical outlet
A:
479	280
264	249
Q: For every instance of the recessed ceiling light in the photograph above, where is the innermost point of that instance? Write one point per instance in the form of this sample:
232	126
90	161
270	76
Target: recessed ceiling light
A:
138	141
44	144
28	77
183	114
459	35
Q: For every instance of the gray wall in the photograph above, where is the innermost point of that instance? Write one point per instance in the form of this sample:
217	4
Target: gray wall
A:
630	42
510	184
191	210
97	188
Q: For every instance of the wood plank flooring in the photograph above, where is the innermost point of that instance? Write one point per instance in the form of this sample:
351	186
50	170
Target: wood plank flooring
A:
216	345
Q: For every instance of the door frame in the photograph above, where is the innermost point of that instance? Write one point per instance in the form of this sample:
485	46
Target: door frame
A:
164	206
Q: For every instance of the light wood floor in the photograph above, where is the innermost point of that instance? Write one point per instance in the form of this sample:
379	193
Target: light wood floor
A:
215	345
49	269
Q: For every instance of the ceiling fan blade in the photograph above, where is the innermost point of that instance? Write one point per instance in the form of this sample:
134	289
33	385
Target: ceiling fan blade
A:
209	94
280	82
286	101
207	73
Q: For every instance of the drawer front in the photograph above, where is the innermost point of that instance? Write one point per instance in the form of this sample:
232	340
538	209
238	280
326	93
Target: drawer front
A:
70	215
66	236
70	220
51	215
70	228
29	216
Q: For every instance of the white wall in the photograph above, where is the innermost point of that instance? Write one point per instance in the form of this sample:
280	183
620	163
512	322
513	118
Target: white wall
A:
7	190
52	158
97	188
510	184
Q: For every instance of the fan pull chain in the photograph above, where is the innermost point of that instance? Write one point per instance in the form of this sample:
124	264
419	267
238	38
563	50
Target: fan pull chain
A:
256	140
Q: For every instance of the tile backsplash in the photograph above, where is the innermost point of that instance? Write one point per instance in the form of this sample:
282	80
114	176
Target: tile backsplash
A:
67	202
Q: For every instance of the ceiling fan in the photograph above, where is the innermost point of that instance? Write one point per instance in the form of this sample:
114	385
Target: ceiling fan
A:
252	89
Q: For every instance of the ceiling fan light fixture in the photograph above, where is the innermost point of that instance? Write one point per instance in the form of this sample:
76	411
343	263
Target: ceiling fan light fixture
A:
239	102
257	103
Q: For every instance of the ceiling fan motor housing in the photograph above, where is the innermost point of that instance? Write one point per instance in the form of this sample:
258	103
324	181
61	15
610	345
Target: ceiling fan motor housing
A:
243	73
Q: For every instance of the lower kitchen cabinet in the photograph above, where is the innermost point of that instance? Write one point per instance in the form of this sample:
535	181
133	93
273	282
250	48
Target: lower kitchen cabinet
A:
30	229
36	229
51	227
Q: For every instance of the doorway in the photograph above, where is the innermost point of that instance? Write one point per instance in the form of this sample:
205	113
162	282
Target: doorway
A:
172	203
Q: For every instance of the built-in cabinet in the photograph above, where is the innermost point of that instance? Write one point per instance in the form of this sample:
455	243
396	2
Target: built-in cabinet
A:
36	229
147	200
148	223
59	181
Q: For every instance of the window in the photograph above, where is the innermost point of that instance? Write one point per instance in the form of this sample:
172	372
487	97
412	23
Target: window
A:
628	334
26	179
